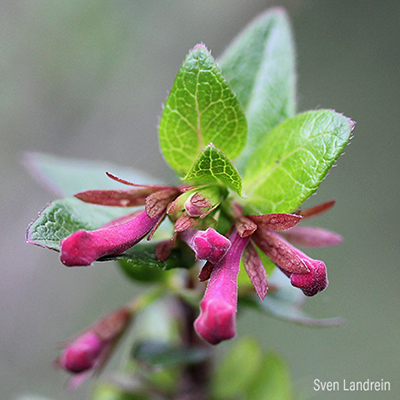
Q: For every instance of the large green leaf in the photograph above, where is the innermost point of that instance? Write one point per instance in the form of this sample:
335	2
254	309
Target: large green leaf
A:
201	109
214	167
67	176
64	217
260	67
293	159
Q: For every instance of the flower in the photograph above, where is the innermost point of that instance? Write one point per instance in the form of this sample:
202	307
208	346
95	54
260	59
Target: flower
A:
192	211
88	352
83	247
208	245
217	319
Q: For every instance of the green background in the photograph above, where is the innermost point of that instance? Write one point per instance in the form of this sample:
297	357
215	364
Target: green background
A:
87	79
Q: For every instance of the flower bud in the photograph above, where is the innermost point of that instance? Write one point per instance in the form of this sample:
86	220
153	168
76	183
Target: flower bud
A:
82	354
91	349
208	245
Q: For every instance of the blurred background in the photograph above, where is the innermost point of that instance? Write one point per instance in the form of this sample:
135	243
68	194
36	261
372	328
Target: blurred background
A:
87	78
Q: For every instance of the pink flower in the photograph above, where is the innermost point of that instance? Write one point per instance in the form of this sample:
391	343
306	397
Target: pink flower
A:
208	245
88	352
83	247
217	319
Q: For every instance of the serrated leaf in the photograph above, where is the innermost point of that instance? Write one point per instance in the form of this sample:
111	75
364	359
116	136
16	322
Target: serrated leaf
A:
64	217
260	67
214	167
67	176
201	108
235	373
293	159
272	380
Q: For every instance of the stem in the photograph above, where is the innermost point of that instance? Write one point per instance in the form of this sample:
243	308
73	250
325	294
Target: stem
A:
195	378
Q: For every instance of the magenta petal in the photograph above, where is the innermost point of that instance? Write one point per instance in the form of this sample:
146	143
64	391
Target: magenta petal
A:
83	247
255	270
217	319
309	236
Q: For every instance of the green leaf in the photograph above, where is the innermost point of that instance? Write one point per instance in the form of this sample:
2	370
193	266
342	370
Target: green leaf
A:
272	380
214	167
140	263
260	67
201	108
64	217
293	159
67	176
163	354
236	372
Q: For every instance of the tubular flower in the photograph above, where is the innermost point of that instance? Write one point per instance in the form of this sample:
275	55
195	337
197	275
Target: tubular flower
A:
217	320
83	247
89	351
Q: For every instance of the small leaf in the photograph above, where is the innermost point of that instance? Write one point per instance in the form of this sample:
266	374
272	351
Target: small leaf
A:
272	380
67	176
293	159
236	372
64	217
200	109
214	167
260	67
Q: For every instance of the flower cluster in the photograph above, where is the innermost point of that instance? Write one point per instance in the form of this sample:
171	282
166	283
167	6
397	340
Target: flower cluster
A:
194	212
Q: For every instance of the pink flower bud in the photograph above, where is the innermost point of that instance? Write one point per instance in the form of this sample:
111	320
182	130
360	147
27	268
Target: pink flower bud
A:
82	354
314	281
90	350
217	319
208	245
83	247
